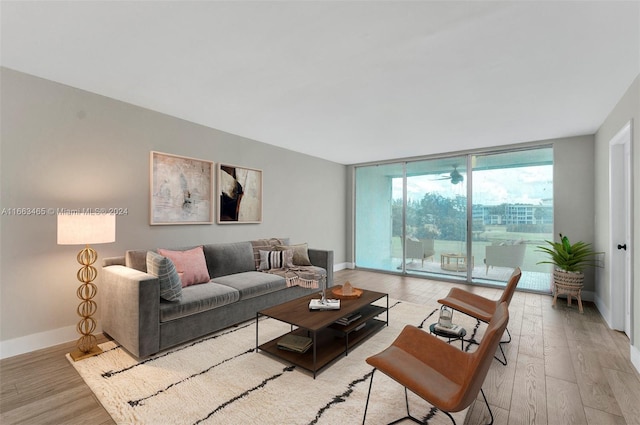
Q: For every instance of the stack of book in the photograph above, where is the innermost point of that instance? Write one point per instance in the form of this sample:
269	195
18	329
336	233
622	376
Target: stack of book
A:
296	343
317	304
349	319
454	330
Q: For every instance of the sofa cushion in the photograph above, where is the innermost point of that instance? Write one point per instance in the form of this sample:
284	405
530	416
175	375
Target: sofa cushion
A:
300	253
265	245
197	298
276	259
136	259
164	269
252	284
228	258
190	264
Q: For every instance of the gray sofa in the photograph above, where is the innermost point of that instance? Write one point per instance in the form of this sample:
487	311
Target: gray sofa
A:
133	313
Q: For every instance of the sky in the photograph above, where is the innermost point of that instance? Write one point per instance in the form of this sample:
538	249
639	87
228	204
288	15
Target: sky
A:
524	185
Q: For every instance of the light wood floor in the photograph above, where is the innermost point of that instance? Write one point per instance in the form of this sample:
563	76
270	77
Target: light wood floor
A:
564	367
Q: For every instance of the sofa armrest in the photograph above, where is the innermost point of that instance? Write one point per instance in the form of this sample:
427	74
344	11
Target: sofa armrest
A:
323	258
130	304
113	261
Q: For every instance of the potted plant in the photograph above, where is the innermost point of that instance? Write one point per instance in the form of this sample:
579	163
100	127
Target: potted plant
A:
569	261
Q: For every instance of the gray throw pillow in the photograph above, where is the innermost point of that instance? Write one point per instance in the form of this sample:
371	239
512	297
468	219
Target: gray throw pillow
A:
300	253
164	269
276	260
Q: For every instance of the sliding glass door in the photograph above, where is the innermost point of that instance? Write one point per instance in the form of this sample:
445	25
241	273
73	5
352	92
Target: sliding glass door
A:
411	217
471	217
512	214
436	217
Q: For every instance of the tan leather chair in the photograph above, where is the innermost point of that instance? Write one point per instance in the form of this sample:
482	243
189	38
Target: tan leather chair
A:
482	308
439	373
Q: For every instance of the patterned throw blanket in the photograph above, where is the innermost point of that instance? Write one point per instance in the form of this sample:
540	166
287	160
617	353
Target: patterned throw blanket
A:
304	276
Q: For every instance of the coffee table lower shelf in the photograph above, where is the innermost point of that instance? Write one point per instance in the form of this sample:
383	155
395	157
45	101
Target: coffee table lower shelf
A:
330	343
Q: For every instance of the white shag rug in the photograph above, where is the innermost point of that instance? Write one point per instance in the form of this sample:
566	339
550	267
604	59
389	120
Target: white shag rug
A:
220	379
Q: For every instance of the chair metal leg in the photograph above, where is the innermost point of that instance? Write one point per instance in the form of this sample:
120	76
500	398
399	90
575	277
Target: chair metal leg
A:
406	400
368	395
504	362
488	407
450	417
504	356
509	340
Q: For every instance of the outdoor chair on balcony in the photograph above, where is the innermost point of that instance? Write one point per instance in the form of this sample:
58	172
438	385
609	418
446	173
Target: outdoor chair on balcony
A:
482	308
505	255
420	249
444	376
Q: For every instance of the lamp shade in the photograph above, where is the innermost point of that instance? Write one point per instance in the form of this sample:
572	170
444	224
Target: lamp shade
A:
86	229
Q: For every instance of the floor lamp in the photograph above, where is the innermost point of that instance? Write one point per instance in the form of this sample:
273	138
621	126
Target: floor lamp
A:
85	229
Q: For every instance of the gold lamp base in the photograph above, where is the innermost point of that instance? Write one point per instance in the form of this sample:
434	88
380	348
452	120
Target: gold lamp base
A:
79	355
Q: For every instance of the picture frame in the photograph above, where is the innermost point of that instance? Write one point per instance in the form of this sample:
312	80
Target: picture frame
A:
181	190
239	194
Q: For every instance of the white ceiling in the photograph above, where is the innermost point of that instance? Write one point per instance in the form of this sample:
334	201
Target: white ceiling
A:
350	82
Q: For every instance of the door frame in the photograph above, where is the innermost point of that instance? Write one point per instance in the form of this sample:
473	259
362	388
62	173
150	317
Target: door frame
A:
621	229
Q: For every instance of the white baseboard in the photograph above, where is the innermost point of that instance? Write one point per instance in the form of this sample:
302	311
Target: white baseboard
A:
342	266
588	296
26	344
603	309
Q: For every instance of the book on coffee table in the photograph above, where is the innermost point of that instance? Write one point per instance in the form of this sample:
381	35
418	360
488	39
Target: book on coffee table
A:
297	343
454	330
344	321
317	304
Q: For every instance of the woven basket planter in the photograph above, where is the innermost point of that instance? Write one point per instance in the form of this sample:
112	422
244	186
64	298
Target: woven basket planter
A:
569	284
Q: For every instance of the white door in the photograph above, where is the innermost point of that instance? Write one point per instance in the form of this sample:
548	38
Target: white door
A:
621	214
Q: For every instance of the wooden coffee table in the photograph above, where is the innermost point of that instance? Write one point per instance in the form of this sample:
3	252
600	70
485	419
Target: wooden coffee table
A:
329	339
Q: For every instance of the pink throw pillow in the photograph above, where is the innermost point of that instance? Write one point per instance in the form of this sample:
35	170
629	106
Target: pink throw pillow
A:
190	264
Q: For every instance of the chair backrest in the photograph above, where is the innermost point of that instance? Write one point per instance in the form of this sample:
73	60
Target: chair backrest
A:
414	248
511	286
428	244
482	358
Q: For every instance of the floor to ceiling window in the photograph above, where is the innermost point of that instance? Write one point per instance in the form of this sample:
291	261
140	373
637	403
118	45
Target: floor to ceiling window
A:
377	236
436	212
472	217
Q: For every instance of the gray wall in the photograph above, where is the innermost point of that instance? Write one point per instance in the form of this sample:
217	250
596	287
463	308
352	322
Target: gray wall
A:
573	197
627	109
66	148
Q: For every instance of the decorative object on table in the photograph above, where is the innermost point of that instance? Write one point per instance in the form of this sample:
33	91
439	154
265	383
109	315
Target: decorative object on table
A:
455	333
445	318
324	304
569	261
239	194
453	330
346	291
181	190
85	229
